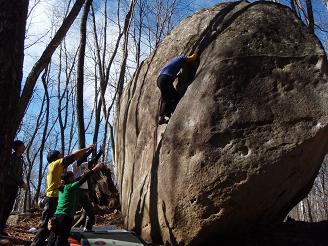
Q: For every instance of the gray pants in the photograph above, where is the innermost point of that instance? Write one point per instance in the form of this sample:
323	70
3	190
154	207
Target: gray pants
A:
48	212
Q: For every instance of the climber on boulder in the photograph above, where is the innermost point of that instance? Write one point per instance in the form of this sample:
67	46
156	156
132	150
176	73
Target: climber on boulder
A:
169	96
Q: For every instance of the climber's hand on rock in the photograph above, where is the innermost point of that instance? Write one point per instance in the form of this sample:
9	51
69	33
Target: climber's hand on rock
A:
192	58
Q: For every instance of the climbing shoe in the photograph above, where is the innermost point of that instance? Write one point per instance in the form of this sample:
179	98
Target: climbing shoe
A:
162	121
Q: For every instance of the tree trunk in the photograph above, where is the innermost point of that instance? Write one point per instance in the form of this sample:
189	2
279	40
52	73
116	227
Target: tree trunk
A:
120	83
80	75
12	34
100	64
59	109
309	11
44	134
309	210
112	141
292	5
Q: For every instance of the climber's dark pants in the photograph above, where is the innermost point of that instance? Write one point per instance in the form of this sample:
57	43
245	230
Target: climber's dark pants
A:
88	208
169	96
48	212
8	195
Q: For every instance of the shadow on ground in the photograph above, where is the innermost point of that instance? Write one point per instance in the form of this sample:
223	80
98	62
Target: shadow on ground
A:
288	233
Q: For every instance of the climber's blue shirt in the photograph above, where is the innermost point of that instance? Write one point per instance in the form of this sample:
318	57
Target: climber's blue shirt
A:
173	66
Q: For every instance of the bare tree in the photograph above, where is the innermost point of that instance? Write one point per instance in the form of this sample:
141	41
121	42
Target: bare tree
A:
45	82
80	76
314	207
310	17
12	34
121	79
104	71
31	155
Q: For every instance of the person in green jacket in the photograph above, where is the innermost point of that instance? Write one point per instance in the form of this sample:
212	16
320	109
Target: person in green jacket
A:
67	202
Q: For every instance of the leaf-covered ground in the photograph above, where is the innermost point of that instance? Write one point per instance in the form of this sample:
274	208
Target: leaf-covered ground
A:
288	233
19	229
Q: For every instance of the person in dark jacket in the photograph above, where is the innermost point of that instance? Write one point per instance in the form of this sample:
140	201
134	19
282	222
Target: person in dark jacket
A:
67	202
10	182
57	164
169	96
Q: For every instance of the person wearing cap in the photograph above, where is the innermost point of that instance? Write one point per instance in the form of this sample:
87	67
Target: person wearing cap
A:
169	96
57	164
10	182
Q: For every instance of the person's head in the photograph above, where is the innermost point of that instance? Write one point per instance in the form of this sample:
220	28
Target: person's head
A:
54	155
66	178
18	147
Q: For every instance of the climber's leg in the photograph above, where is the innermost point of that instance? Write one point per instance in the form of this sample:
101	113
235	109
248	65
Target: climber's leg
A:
175	100
163	112
172	105
168	93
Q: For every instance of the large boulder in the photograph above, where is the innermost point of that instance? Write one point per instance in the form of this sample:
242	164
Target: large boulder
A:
247	138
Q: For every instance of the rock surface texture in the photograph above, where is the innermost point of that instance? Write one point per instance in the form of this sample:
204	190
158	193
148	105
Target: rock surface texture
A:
247	138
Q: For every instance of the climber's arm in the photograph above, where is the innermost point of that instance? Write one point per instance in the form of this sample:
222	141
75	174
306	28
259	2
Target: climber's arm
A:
86	175
186	59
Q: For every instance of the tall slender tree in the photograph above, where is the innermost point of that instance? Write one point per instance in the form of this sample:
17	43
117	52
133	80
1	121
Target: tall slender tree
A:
310	17
80	75
12	34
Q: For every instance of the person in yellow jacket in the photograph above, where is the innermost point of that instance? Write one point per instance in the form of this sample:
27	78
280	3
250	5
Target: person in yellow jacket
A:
169	96
57	164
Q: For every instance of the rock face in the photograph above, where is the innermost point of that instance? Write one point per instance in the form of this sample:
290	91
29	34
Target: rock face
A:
247	138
